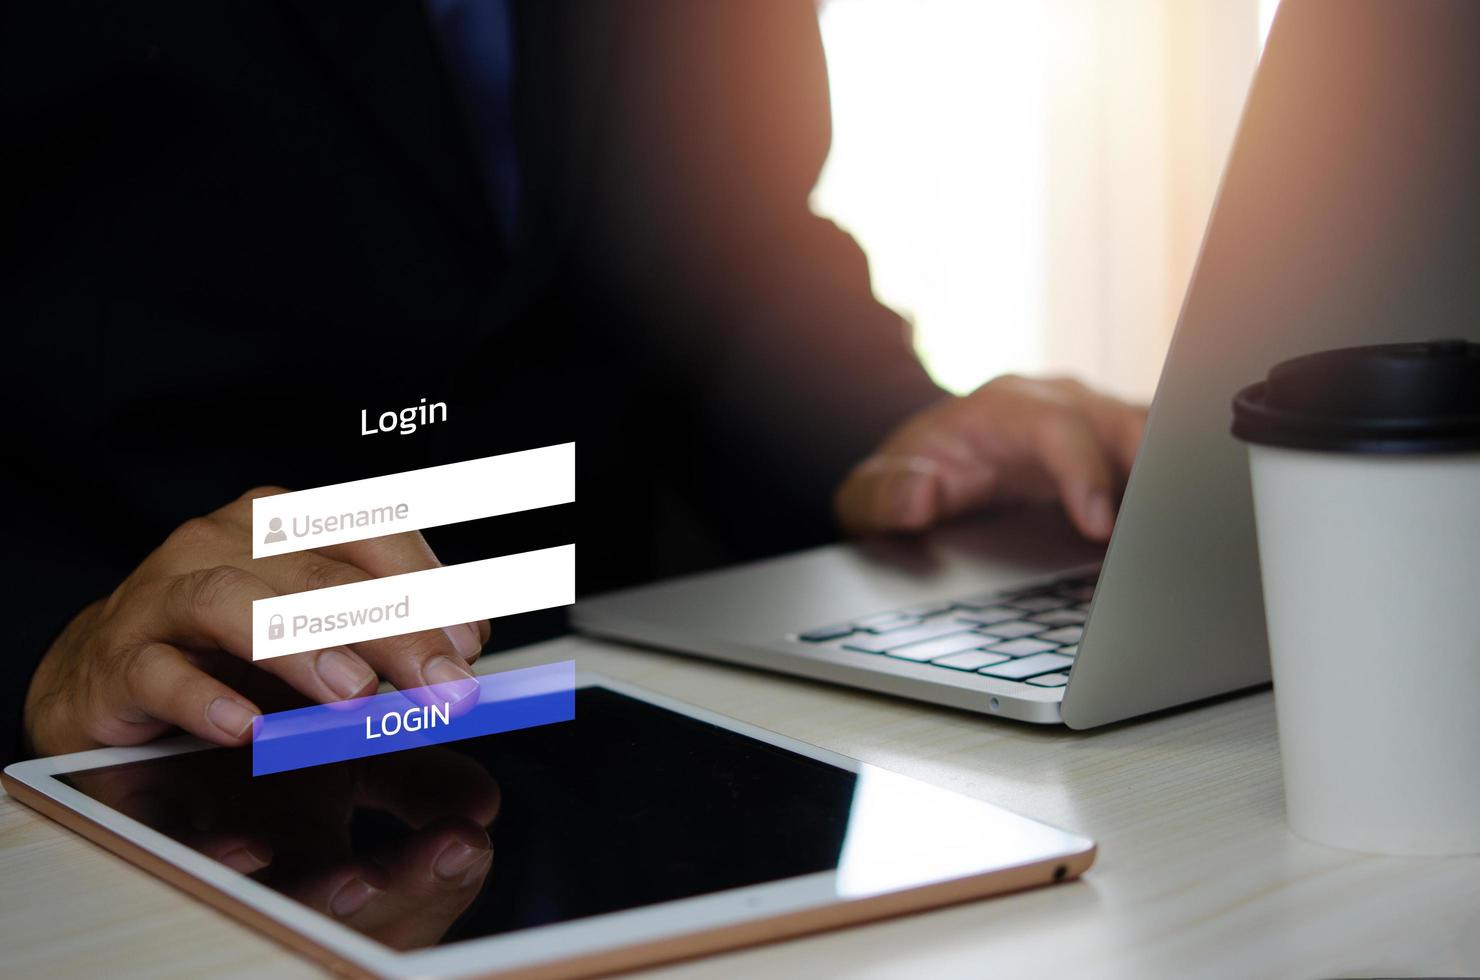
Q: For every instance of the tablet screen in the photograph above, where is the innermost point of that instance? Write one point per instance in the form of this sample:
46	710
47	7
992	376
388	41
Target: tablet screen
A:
628	805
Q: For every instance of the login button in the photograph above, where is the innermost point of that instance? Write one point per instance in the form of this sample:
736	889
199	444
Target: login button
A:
409	719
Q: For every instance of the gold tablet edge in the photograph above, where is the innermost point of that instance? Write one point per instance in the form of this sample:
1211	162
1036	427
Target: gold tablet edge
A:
755	932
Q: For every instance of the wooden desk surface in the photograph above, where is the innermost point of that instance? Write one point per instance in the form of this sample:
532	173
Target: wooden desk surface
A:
1197	875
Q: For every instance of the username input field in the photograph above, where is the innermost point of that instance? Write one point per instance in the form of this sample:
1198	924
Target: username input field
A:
413	500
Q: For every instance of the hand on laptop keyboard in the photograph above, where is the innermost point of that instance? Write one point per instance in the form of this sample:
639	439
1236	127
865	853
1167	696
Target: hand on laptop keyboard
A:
1012	439
1030	634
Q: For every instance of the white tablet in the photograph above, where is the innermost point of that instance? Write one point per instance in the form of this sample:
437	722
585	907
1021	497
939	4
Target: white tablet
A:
643	830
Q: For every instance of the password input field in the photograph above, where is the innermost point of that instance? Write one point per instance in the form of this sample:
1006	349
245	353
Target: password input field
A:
398	604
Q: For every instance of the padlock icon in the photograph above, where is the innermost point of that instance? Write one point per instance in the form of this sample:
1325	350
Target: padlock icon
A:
275	628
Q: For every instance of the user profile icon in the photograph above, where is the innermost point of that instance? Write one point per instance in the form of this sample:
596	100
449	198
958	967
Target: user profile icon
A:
275	532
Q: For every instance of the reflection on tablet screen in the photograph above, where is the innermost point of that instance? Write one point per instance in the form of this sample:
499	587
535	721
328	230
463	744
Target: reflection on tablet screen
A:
628	805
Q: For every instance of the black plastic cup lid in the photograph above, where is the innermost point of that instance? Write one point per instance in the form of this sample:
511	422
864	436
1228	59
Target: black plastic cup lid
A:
1391	398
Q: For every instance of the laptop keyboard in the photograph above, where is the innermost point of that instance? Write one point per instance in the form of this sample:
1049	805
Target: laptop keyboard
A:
1029	634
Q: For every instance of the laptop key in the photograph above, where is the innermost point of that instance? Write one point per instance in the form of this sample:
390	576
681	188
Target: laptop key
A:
1069	651
925	609
1019	670
1014	629
870	643
1064	634
939	647
824	633
969	660
1049	680
884	619
1061	617
903	623
989	615
1023	648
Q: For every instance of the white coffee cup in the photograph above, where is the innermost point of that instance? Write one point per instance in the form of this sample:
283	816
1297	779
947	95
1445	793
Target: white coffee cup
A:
1365	466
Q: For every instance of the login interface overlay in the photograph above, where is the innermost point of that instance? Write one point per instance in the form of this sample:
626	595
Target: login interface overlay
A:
393	605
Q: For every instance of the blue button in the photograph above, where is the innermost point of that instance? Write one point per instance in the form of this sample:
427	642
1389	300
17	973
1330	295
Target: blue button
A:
412	718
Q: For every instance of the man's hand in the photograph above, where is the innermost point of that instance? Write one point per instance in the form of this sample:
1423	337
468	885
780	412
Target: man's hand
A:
159	651
1012	439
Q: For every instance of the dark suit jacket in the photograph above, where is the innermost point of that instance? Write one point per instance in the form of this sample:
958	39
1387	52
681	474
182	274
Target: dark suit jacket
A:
228	227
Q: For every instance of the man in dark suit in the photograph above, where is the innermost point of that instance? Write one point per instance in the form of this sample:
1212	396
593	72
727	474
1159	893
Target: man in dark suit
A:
231	227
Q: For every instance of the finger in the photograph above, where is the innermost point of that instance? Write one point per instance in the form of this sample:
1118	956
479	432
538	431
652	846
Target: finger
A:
162	683
1068	449
344	892
426	666
427	658
239	852
420	787
212	608
888	493
443	856
431	878
396	554
1119	426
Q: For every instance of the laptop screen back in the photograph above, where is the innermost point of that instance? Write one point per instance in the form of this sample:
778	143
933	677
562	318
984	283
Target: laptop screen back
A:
1349	214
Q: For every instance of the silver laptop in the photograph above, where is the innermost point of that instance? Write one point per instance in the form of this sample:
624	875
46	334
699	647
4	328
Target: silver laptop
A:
1349	213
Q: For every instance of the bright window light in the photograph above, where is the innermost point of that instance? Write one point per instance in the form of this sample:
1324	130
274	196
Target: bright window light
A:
1266	19
1030	178
938	168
